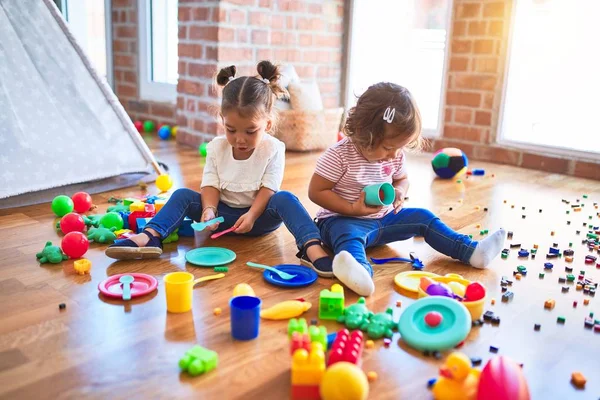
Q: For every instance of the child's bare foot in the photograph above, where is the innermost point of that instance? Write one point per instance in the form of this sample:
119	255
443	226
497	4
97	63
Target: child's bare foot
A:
313	255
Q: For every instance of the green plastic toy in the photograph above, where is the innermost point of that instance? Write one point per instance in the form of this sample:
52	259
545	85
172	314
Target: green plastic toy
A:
202	149
356	315
173	237
221	269
318	334
93	220
112	220
149	126
62	205
297	325
198	360
331	302
119	207
102	235
380	325
51	254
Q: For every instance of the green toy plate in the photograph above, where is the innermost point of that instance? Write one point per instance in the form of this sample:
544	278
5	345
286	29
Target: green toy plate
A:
453	328
210	256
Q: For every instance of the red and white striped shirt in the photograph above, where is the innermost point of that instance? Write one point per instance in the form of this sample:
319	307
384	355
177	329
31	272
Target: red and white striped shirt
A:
351	172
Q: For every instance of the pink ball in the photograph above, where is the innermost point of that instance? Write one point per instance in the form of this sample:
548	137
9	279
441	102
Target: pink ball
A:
139	126
72	222
82	202
433	319
75	244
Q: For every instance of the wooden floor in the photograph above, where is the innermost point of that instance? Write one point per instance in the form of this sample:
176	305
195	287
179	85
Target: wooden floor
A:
99	348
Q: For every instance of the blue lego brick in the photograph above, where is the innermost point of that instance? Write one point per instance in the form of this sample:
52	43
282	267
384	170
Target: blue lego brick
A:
141	224
125	216
186	229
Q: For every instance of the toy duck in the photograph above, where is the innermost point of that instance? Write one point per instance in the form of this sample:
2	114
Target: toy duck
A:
458	380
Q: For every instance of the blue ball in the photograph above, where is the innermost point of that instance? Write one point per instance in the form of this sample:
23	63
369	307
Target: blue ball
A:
164	132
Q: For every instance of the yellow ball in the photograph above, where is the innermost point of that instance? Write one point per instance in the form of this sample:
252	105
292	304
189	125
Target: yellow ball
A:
174	131
344	381
164	182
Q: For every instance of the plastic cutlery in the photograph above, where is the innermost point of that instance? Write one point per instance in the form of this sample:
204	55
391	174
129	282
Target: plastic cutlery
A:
281	274
200	226
126	280
208	278
226	231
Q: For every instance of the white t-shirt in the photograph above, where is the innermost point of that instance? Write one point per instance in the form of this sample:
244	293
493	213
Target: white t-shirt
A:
240	180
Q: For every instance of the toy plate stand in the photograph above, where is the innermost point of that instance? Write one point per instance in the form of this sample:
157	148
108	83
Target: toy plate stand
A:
210	256
407	282
434	323
142	285
304	276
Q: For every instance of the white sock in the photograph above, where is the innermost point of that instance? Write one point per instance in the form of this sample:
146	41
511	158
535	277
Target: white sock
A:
488	249
352	274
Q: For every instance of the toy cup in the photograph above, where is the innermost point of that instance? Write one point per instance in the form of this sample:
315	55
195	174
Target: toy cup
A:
379	194
178	287
245	317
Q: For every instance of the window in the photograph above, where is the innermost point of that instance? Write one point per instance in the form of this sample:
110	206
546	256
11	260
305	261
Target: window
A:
401	41
89	21
158	50
552	84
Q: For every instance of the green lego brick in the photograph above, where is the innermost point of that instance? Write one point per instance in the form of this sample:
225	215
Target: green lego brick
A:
533	251
568	212
221	269
318	334
331	302
129	201
585	196
570	244
470	236
570	277
541	275
198	360
591	315
458	181
561	320
504	256
521	268
592	236
582	272
297	325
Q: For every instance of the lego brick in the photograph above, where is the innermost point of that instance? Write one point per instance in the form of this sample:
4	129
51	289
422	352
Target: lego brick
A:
141	224
331	302
137	206
297	325
305	392
318	334
308	367
128	201
134	215
347	347
199	360
299	341
125	216
186	230
549	304
149	208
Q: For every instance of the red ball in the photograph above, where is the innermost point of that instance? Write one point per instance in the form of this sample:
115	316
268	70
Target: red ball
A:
72	222
139	126
433	319
475	291
82	202
75	244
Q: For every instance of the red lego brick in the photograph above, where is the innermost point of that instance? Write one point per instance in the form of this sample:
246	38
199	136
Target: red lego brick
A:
302	392
135	215
347	347
299	341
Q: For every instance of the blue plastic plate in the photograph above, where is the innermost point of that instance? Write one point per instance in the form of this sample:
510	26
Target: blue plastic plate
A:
210	256
304	276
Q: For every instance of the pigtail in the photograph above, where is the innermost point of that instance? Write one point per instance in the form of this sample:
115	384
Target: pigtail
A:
271	73
225	75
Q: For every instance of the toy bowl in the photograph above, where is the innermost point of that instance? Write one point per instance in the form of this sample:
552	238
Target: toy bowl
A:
475	307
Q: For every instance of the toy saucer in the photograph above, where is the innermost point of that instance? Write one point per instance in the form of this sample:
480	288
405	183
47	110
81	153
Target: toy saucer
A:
142	285
304	276
407	282
210	256
434	323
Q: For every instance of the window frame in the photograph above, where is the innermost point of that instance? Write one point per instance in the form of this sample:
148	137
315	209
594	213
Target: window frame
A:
150	90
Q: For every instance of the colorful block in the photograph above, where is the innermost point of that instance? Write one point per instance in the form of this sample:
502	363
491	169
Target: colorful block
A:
308	367
305	392
134	215
318	334
347	347
299	341
137	206
331	302
198	360
159	204
186	230
82	266
141	224
297	325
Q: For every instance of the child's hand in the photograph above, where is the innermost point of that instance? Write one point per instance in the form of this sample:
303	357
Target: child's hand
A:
399	201
360	209
245	223
207	215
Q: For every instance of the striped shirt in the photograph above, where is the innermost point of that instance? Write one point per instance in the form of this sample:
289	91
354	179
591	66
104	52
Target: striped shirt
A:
351	172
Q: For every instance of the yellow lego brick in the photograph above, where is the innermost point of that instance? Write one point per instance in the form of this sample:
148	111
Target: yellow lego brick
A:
137	206
82	266
122	231
308	368
158	204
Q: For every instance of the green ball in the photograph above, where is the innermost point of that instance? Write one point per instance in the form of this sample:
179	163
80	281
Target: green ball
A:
202	149
62	205
112	219
149	126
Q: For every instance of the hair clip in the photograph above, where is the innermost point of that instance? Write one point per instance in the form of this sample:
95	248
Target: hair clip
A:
265	80
231	78
388	114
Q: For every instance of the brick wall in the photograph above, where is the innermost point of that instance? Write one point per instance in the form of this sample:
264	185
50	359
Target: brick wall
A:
212	34
126	66
477	60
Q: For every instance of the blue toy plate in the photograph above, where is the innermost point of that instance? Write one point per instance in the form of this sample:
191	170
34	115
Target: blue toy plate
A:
210	256
304	276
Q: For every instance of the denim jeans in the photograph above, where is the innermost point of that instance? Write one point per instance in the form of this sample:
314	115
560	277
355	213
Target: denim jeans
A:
282	207
356	234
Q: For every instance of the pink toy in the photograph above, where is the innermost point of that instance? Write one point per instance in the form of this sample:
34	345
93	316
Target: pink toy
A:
347	347
502	378
226	231
75	244
142	285
433	319
82	202
138	125
72	222
474	292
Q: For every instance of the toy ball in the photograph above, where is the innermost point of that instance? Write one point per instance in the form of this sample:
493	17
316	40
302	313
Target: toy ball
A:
82	202
75	244
112	220
138	125
449	163
439	289
202	149
164	182
174	131
62	205
72	222
474	292
149	126
458	288
164	132
344	381
502	378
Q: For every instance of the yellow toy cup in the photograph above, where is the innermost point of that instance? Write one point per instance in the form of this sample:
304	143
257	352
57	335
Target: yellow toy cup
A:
179	287
475	307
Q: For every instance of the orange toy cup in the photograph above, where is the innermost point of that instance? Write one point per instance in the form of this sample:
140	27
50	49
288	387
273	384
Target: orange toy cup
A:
179	287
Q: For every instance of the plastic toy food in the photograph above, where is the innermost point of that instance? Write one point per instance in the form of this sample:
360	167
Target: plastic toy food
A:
82	202
243	289
380	325
475	291
164	182
75	244
457	288
102	235
62	205
198	360
502	378
439	289
344	381
458	380
82	266
356	315
285	310
51	254
72	222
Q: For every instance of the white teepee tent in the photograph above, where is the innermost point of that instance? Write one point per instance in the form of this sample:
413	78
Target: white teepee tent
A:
60	124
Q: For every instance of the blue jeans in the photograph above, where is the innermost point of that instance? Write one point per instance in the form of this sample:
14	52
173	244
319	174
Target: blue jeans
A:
282	207
356	234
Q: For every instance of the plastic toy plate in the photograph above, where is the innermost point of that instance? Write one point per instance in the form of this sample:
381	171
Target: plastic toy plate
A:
304	276
407	282
210	256
453	329
142	285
